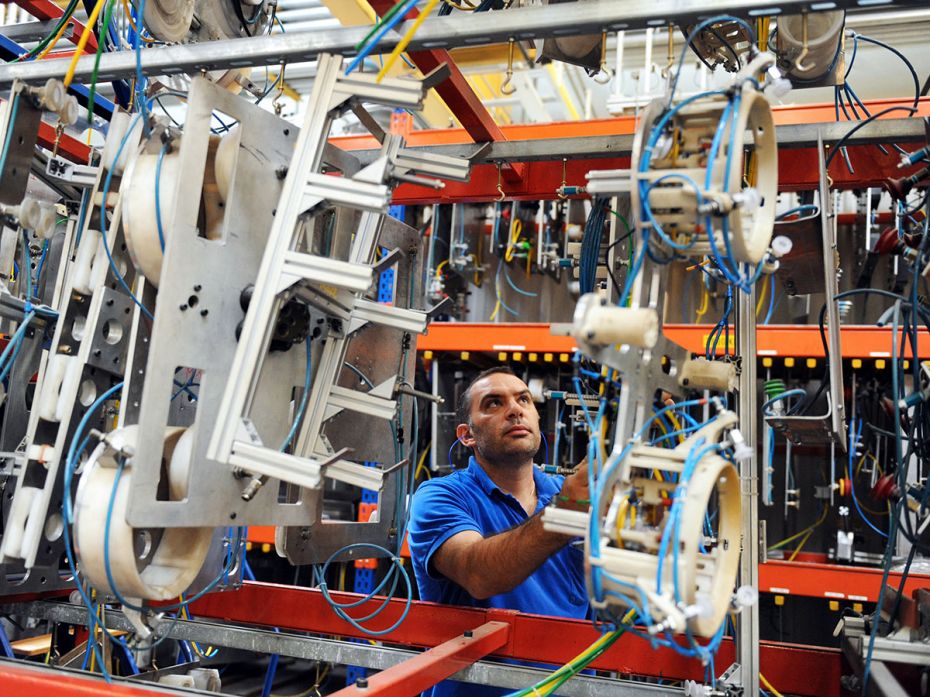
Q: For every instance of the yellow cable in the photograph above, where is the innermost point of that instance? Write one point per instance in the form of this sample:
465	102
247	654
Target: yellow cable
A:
801	545
48	49
621	518
593	648
705	301
132	23
765	288
768	686
439	267
408	37
676	424
497	308
82	42
421	465
515	229
823	517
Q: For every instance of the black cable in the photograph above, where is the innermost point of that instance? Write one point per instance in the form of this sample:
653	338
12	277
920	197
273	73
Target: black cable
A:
910	66
842	141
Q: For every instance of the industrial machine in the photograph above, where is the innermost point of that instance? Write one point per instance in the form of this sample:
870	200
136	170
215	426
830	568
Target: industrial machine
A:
225	337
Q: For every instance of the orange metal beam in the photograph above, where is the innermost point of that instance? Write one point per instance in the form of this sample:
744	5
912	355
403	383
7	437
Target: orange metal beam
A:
831	580
858	341
620	125
512	336
36	680
434	665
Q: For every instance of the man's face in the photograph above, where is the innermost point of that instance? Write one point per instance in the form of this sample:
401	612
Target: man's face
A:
504	423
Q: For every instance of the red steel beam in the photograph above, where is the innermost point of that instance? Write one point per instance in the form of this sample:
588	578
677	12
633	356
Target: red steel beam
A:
430	667
45	9
794	669
68	147
831	581
797	167
35	680
458	95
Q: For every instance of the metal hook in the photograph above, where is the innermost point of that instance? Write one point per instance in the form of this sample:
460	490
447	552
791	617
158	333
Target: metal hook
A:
506	87
667	70
500	189
798	62
560	192
604	75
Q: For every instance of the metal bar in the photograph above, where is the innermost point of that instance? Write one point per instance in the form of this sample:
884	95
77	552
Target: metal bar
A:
748	619
25	32
330	651
45	9
426	669
575	145
36	680
436	33
795	669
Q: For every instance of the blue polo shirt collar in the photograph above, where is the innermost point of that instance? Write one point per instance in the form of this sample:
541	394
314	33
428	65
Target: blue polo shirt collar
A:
546	487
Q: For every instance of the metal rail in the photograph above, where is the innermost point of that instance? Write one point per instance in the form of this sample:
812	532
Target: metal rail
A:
335	651
483	28
593	147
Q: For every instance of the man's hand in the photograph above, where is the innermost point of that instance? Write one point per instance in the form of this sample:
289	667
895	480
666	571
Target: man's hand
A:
574	494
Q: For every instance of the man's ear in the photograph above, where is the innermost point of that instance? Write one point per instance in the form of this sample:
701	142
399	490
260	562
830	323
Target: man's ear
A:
464	434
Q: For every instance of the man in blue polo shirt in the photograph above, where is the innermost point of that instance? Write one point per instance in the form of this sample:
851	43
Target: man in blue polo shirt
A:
476	536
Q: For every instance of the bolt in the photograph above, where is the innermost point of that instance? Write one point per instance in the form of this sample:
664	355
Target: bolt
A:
469	634
183	307
197	288
361	683
204	312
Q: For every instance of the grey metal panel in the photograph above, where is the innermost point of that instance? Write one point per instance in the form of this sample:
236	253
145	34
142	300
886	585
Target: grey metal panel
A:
201	333
481	28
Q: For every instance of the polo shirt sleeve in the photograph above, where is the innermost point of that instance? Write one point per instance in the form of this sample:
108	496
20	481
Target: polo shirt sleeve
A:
437	513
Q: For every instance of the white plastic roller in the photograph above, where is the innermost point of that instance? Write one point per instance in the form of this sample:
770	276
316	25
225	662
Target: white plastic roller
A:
143	563
598	323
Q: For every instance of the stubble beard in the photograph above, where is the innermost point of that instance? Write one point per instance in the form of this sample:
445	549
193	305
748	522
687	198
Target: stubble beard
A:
512	456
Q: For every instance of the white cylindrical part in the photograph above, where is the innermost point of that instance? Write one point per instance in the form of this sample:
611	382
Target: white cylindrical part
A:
119	125
602	324
702	374
824	32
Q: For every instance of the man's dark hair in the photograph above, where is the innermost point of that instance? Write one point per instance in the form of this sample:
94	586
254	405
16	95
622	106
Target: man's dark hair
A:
464	407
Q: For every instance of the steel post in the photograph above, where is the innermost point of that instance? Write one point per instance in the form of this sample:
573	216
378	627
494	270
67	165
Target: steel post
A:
748	623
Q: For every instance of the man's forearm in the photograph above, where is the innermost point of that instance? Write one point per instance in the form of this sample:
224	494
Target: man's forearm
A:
500	563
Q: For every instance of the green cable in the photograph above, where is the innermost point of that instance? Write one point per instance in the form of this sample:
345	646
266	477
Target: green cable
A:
570	670
101	40
378	25
65	18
